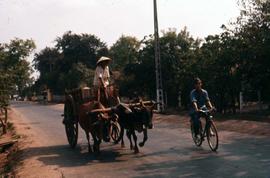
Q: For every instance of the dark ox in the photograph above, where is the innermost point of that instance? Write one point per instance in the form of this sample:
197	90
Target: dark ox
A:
93	117
140	119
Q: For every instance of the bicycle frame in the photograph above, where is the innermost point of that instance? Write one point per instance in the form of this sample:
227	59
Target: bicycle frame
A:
208	120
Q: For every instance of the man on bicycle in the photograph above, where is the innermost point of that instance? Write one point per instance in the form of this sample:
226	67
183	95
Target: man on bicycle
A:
200	101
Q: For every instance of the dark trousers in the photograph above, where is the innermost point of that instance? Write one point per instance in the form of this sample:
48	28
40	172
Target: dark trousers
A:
196	122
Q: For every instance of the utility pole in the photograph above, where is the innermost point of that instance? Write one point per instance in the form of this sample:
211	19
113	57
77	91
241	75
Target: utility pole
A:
159	87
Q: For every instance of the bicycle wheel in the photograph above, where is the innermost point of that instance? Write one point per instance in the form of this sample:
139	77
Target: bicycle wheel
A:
115	131
197	140
212	136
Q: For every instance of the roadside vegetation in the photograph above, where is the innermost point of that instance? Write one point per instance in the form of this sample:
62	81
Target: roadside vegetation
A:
15	78
237	60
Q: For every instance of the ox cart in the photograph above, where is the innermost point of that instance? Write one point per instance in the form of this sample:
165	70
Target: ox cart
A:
84	109
74	100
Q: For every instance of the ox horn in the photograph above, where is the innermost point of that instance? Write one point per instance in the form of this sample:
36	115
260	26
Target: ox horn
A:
154	104
101	110
142	103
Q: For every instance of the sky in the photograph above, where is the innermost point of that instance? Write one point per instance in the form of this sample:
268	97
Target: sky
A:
45	20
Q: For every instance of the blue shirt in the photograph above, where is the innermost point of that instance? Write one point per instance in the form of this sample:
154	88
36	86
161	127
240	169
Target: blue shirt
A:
200	97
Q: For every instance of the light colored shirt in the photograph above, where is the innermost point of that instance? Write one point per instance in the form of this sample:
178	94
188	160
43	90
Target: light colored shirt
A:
102	73
200	97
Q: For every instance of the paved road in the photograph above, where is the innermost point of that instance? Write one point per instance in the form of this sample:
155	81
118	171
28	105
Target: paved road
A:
169	152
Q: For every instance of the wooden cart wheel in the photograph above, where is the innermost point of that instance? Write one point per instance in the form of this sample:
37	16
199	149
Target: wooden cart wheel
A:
115	131
71	125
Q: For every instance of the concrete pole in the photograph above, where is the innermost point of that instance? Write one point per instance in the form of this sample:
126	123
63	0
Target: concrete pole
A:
241	101
159	86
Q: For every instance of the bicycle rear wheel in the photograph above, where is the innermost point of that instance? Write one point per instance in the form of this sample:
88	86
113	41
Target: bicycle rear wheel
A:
212	136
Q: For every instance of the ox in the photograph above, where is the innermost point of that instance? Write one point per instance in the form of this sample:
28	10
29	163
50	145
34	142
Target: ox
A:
140	119
94	119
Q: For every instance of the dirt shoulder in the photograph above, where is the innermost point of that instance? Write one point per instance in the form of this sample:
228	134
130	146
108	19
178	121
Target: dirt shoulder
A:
26	165
242	123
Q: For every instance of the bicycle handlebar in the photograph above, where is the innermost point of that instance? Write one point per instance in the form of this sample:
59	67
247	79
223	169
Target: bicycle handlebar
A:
206	112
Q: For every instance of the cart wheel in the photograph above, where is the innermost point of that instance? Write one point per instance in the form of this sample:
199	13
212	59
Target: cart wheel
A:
71	126
115	131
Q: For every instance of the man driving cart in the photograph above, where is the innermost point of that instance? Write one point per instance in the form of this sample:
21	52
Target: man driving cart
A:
101	82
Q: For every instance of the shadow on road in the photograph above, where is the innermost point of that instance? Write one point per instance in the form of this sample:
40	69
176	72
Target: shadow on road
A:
243	157
64	156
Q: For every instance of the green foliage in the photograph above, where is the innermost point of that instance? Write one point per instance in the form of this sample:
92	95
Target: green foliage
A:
124	51
82	48
177	53
70	63
15	70
233	61
252	29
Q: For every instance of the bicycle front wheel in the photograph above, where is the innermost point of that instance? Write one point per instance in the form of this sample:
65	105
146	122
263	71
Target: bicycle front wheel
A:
212	136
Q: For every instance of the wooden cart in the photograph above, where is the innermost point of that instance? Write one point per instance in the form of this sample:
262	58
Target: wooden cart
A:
73	100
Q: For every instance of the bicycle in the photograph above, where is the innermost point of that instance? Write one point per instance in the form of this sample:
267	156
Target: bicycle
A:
209	131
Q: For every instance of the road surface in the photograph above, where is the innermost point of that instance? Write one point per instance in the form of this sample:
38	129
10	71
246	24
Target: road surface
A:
169	152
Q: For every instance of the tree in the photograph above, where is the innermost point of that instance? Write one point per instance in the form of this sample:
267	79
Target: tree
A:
124	51
14	66
252	29
48	63
70	63
177	51
84	48
5	84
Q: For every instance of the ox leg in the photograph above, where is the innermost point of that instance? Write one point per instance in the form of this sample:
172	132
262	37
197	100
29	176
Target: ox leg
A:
88	141
122	137
122	140
136	149
96	144
129	137
145	137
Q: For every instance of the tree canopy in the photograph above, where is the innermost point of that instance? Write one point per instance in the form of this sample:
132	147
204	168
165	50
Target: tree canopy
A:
230	62
70	63
15	70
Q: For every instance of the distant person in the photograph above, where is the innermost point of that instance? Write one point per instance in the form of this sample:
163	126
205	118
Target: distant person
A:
44	96
200	101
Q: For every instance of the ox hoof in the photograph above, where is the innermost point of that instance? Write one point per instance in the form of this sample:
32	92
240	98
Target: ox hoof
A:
122	145
136	151
96	149
90	150
131	147
115	142
141	144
